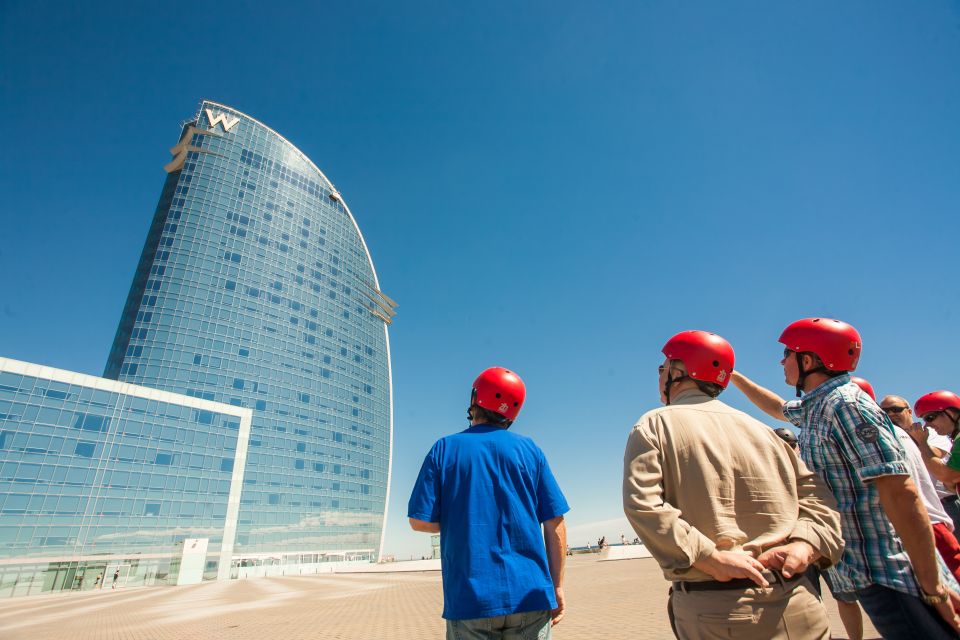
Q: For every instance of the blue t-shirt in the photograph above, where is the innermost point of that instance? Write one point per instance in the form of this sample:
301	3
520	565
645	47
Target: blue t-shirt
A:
489	489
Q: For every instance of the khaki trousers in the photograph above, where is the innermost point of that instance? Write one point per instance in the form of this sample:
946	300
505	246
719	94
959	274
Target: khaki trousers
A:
778	612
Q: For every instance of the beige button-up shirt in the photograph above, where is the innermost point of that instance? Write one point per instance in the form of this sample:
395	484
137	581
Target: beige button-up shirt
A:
699	475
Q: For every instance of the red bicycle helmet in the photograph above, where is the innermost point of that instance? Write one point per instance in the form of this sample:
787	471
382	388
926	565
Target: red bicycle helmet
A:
499	390
836	343
707	356
866	386
936	401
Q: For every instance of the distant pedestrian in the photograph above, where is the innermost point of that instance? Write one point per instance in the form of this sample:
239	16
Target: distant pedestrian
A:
96	582
116	576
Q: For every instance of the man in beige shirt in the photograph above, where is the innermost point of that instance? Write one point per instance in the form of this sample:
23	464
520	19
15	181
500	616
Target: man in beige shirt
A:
728	510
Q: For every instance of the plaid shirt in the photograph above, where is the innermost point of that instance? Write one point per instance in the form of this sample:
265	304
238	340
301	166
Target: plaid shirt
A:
848	440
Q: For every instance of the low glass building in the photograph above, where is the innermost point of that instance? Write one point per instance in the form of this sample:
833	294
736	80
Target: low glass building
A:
99	477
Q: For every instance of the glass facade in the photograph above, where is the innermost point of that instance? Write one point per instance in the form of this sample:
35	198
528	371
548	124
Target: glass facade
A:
255	289
98	477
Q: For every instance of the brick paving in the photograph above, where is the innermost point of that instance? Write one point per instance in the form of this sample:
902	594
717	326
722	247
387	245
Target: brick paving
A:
606	600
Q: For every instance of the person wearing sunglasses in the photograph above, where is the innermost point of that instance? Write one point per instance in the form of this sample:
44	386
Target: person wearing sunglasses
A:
898	410
928	441
729	511
890	558
940	410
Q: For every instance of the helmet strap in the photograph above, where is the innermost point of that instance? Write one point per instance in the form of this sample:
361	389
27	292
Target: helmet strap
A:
473	401
956	420
670	381
802	375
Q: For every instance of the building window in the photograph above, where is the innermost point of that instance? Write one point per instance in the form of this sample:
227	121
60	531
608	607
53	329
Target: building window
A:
85	449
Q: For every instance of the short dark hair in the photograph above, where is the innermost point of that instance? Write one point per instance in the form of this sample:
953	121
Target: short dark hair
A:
817	362
489	417
712	389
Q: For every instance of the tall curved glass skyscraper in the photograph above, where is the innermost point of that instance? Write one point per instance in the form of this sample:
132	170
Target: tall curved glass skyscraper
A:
255	288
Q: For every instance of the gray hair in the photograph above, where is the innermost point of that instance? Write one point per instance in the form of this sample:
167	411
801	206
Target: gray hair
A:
712	389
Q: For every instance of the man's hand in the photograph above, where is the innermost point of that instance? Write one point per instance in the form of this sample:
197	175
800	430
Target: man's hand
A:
556	615
791	558
918	432
948	610
724	566
902	504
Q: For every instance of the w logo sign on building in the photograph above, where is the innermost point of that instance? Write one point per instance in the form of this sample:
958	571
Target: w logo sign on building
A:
222	119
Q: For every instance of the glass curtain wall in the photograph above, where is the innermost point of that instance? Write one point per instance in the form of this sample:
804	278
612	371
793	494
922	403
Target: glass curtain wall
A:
96	481
255	289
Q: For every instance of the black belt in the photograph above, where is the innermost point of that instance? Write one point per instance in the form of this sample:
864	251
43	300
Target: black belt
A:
737	583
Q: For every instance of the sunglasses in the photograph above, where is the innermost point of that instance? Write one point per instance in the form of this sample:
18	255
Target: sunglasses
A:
787	352
896	410
662	368
933	415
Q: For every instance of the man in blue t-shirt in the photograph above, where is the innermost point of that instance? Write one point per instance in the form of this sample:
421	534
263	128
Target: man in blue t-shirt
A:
487	490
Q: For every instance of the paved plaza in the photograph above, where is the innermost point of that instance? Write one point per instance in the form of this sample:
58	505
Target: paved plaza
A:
606	600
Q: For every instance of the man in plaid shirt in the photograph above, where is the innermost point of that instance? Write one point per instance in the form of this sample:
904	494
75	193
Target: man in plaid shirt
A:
890	560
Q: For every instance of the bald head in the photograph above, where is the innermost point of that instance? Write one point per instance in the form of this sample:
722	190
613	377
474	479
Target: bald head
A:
898	409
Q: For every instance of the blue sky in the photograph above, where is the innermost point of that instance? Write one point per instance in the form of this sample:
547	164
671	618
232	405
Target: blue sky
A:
553	187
